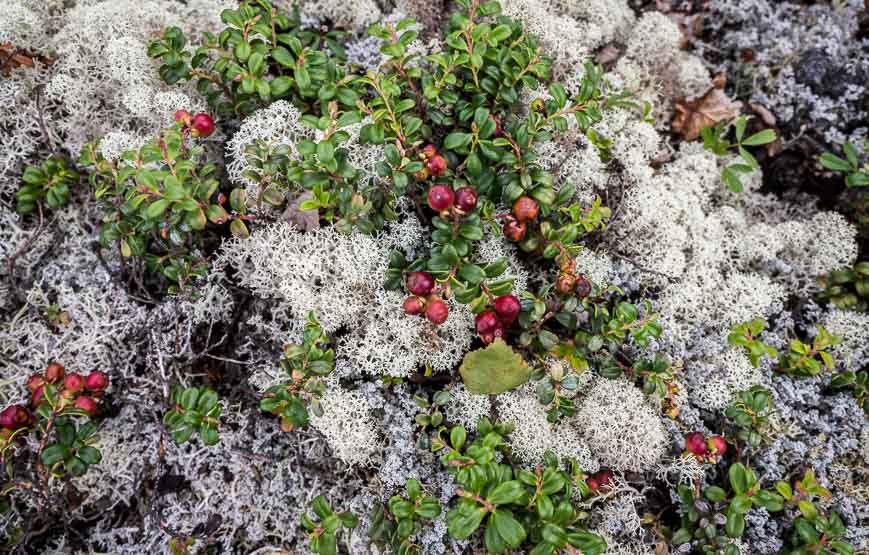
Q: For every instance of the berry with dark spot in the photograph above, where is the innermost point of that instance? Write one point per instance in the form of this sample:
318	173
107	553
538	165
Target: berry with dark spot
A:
14	417
583	287
34	382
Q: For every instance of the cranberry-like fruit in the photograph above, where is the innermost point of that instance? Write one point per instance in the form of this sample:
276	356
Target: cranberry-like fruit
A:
437	311
437	165
695	443
413	306
96	381
86	404
603	477
429	150
422	174
525	209
440	197
515	230
565	282
592	483
73	382
183	116
466	199
202	125
14	417
486	322
717	445
507	307
419	283
54	372
34	382
583	287
38	396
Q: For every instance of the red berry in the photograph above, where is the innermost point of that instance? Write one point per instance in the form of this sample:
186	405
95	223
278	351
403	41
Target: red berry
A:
429	150
14	417
437	311
507	307
413	305
437	165
34	382
525	208
86	404
183	116
73	382
565	282
486	322
695	443
96	381
419	283
54	372
603	477
38	396
466	199
440	197
583	287
592	483
515	230
717	445
202	125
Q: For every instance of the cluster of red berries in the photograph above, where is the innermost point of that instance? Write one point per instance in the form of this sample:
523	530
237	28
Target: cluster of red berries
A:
200	125
424	298
492	323
442	198
598	480
525	210
706	450
435	164
83	389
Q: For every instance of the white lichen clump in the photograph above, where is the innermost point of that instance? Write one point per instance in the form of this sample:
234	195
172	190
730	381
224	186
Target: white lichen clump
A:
347	425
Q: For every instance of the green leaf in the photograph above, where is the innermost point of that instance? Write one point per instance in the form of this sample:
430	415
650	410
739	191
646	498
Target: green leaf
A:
760	138
508	527
89	454
738	478
506	492
321	507
53	454
189	398
156	209
458	435
735	524
714	493
494	370
456	140
462	523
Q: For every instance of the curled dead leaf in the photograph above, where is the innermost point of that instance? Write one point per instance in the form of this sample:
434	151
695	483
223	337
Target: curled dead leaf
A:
695	113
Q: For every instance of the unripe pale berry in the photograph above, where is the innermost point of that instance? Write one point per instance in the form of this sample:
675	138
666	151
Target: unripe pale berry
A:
466	199
717	445
486	322
419	283
437	165
525	209
183	116
54	372
413	306
507	307
73	382
437	311
202	125
97	381
695	443
514	230
34	382
583	287
86	404
440	197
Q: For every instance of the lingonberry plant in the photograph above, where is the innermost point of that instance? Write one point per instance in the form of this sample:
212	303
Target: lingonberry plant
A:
431	414
750	414
857	173
324	527
516	508
159	200
745	335
49	182
715	140
195	409
847	288
809	359
396	524
814	531
707	450
857	381
305	364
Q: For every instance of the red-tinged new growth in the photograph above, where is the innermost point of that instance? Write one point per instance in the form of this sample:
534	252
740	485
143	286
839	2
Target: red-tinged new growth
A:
419	283
184	117
717	446
440	197
437	311
429	150
507	307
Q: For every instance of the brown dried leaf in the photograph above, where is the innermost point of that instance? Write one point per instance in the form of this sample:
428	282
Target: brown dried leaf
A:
304	220
766	116
695	113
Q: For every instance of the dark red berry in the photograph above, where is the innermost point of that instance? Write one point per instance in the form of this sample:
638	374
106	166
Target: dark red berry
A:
603	477
466	199
507	307
695	443
86	404
583	287
514	230
183	116
54	372
202	125
486	322
437	165
74	382
14	417
38	396
717	445
419	283
565	282
34	382
429	150
96	381
592	483
525	209
413	306
440	197
437	311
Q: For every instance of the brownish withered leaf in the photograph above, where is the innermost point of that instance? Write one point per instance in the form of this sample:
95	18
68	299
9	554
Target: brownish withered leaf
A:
695	113
304	220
